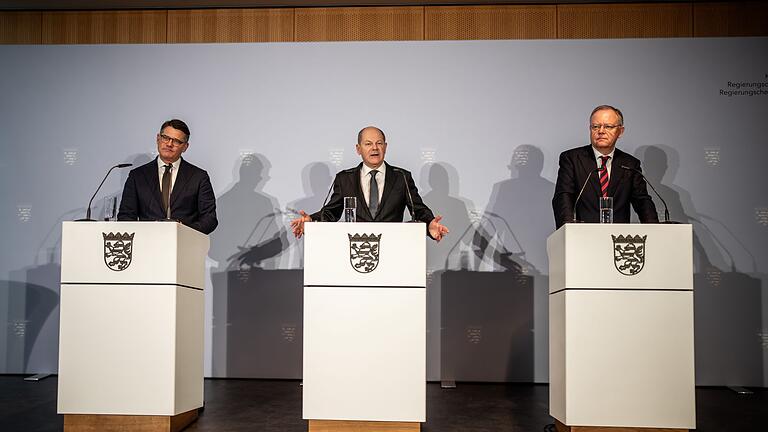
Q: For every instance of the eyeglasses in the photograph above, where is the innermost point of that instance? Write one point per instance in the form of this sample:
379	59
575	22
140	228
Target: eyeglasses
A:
608	127
165	139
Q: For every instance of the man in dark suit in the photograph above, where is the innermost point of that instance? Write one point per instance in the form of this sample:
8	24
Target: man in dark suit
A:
169	180
610	176
380	190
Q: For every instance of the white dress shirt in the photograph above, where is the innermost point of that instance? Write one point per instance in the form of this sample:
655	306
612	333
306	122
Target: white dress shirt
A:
600	163
161	170
365	181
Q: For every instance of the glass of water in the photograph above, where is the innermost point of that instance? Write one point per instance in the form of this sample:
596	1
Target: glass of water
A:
606	209
110	208
350	209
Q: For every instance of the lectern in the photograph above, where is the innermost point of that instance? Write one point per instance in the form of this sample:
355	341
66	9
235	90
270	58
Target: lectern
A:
621	327
364	326
131	325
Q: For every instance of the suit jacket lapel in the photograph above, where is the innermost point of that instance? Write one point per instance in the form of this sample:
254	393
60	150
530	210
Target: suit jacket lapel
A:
182	180
152	177
361	204
617	173
589	164
389	185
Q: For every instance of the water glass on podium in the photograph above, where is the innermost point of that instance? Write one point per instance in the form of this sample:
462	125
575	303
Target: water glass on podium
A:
606	209
350	209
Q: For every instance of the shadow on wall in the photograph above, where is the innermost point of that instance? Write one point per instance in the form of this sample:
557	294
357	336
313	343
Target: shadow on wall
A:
439	190
487	302
32	319
524	204
256	307
316	179
30	316
727	303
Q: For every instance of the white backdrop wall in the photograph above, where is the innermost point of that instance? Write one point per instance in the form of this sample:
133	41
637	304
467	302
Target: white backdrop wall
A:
480	125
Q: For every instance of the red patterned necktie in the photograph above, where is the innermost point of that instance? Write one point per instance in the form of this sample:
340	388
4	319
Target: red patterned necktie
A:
604	180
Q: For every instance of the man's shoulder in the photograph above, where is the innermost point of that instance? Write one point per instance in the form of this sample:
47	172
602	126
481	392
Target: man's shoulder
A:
191	167
147	167
581	150
349	171
394	168
625	158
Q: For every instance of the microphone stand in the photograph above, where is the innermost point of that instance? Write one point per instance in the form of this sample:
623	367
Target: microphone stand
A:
578	197
666	209
88	212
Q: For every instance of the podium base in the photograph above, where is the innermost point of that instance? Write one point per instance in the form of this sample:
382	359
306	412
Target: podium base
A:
563	428
362	426
126	423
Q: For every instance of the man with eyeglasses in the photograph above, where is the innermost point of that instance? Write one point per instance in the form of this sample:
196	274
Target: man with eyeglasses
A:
610	172
170	187
381	190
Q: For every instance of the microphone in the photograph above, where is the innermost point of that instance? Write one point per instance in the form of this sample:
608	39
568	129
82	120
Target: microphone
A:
584	186
325	201
408	194
666	209
88	212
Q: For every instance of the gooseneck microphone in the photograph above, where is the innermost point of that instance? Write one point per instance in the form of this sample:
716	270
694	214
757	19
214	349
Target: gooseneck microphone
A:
408	194
325	201
578	197
666	209
88	212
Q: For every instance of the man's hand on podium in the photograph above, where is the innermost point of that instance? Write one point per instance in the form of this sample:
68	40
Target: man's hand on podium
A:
297	225
436	229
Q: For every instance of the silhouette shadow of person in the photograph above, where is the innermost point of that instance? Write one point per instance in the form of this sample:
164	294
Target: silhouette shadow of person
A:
524	202
247	217
452	208
660	164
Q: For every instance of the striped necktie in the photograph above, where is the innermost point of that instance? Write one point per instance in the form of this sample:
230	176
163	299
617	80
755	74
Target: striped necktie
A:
604	180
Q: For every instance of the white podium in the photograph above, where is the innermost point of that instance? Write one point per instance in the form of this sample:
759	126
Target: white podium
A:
364	326
131	325
621	327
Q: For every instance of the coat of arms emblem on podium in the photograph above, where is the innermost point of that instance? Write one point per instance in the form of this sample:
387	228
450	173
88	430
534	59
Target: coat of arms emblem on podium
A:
364	252
629	254
118	250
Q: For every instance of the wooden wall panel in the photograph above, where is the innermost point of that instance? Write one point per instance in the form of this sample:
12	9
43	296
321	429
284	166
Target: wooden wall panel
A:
103	27
642	20
20	27
230	25
490	22
360	24
730	19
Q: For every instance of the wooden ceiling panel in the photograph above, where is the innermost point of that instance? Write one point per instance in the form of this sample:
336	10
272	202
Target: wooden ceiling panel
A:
360	24
104	27
607	21
230	25
490	22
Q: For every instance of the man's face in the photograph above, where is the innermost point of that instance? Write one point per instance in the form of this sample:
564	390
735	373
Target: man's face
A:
171	143
372	148
604	130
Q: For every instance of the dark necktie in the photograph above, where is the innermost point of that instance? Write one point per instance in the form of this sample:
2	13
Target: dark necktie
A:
373	198
604	180
166	189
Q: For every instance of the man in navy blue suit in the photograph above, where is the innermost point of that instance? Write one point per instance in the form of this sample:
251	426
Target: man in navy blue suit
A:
170	187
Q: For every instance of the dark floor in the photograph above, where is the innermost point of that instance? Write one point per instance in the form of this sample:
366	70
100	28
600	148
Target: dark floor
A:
275	406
